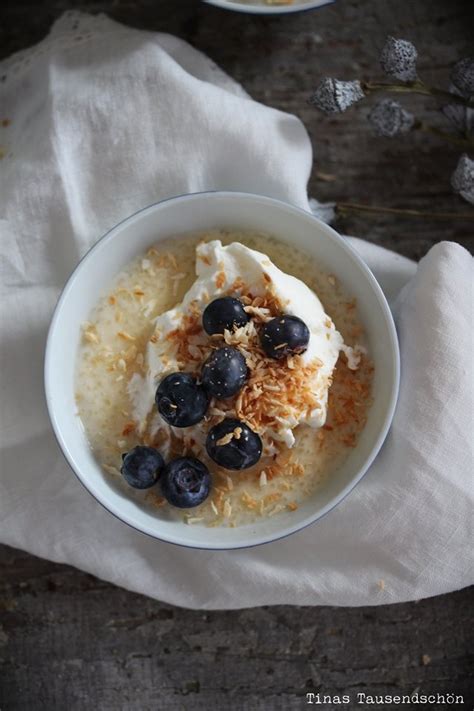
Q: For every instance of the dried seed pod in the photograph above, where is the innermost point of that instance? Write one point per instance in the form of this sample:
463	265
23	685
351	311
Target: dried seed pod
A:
462	180
462	76
389	118
398	59
333	96
461	117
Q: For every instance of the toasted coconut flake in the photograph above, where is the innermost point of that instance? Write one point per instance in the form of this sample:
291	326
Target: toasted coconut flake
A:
216	412
271	498
148	307
227	511
225	439
155	500
129	427
239	285
220	280
110	469
297	469
214	508
125	336
349	440
292	506
248	500
91	337
271	388
195	352
172	260
263	479
275	510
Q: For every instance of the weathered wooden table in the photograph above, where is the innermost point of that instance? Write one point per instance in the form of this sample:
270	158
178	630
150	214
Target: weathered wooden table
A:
69	641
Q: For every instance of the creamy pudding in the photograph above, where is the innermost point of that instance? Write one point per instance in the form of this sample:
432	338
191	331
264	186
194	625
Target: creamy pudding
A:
295	411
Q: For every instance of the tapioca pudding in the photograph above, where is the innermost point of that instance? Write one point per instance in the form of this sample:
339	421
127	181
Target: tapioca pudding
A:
223	377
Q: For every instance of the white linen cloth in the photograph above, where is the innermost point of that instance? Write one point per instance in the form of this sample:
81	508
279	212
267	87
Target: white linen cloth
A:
105	120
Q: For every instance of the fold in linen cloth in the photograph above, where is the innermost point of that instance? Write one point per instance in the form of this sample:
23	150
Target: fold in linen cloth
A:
100	120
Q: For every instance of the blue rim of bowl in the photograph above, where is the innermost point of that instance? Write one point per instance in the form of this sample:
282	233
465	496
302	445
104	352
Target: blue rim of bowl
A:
265	11
332	234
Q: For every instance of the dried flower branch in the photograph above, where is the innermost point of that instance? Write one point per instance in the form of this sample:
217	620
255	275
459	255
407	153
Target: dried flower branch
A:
388	117
445	135
417	87
344	208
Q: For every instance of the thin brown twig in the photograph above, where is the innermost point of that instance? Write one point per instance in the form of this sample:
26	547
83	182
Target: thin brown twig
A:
416	87
342	208
446	135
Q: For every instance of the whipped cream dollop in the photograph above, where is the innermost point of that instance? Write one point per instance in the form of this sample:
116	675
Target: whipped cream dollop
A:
233	270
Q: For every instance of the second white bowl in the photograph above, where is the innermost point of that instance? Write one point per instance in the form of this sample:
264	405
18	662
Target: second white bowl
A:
261	8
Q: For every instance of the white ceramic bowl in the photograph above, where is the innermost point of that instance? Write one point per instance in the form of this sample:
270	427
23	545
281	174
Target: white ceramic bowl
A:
262	9
204	211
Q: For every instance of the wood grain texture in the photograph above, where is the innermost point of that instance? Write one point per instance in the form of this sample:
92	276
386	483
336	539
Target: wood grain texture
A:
280	60
70	641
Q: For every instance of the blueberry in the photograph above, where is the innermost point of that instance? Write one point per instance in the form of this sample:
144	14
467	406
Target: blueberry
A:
224	372
185	482
242	451
222	314
181	401
283	336
141	467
